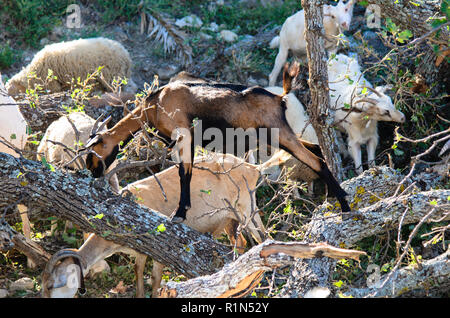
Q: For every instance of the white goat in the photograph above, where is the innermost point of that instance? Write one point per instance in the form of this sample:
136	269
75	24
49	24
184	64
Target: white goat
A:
358	106
209	213
297	119
13	128
292	37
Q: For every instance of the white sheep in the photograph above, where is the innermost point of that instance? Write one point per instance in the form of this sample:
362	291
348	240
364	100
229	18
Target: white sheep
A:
73	59
292	37
62	132
210	186
349	90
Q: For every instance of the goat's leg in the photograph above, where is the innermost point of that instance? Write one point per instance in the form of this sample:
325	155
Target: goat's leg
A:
371	147
185	172
156	278
236	240
279	62
290	143
139	267
355	151
26	227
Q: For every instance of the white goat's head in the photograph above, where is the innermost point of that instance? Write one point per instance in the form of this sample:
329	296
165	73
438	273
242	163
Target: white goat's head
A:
61	276
377	105
344	12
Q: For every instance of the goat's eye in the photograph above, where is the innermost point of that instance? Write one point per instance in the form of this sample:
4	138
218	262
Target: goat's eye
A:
346	10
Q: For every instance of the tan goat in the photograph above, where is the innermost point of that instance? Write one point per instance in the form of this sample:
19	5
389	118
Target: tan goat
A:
212	190
176	106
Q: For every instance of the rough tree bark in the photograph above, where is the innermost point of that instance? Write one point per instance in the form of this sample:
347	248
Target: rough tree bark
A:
94	208
372	194
319	110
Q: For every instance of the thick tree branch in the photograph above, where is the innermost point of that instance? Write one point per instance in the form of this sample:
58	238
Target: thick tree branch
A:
91	204
371	195
239	277
408	279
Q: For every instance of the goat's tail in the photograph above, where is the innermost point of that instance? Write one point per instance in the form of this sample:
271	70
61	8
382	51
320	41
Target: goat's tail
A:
289	73
275	42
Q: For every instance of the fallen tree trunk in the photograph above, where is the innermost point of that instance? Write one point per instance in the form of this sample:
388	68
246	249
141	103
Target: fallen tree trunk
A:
91	205
407	280
94	208
377	211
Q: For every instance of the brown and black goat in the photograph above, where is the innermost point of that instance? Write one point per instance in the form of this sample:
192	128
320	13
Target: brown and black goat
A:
177	106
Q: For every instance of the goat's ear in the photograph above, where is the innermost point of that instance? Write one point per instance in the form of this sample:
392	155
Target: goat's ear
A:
294	69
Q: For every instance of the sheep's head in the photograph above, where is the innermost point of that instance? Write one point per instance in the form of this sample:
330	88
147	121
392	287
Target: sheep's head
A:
344	13
14	87
63	275
377	105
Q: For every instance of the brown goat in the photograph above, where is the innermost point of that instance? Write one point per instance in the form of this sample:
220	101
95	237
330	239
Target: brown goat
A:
177	105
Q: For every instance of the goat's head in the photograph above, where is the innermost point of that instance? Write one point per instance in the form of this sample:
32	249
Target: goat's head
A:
102	149
63	275
344	13
377	105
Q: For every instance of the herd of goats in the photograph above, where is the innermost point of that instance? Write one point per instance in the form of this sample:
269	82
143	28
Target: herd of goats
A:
173	107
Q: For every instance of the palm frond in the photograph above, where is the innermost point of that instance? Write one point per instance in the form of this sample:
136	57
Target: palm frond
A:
172	39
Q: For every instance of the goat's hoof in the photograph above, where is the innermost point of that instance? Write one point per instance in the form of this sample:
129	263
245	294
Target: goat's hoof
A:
177	219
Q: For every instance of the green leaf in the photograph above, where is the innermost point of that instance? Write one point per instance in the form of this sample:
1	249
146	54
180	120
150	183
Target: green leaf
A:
13	136
161	228
206	191
338	284
99	216
47	165
404	36
433	202
398	152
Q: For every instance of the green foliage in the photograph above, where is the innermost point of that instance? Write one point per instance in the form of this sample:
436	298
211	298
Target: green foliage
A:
112	10
7	56
31	20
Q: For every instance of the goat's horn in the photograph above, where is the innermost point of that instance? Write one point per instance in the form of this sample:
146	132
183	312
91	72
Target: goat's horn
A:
368	100
104	123
64	253
95	127
373	91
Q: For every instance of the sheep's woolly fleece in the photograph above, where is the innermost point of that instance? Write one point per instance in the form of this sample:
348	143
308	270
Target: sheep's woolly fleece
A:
74	59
